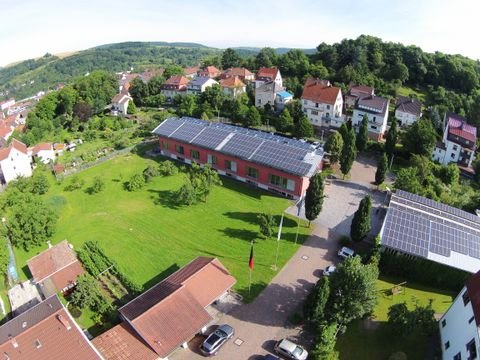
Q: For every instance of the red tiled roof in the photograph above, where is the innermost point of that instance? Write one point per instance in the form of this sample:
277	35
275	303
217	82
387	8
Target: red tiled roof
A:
118	98
233	82
315	81
473	288
45	332
42	147
5	131
121	343
147	75
319	93
59	146
5	152
459	127
58	258
210	70
191	70
58	168
360	90
270	73
177	80
172	311
237	71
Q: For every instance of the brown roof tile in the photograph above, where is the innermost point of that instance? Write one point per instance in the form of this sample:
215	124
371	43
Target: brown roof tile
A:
121	343
45	332
177	80
267	73
15	144
318	92
374	104
233	82
55	259
42	147
408	105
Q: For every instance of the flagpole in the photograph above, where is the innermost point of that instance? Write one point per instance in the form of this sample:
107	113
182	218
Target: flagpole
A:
250	266
278	242
250	283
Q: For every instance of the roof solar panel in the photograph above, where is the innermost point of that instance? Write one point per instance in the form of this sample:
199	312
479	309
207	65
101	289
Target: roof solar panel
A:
210	138
168	126
275	155
241	145
187	132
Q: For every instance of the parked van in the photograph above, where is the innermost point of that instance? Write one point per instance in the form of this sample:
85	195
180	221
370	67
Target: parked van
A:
345	252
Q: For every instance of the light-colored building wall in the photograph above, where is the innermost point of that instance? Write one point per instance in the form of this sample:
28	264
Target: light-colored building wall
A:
457	328
377	123
405	119
263	98
16	165
46	156
316	112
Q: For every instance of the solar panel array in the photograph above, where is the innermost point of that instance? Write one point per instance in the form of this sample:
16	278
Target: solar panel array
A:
417	226
265	148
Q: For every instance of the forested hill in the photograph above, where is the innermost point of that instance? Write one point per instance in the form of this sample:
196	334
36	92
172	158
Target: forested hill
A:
28	77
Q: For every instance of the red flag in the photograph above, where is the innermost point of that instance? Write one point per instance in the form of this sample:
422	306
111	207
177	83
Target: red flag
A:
250	261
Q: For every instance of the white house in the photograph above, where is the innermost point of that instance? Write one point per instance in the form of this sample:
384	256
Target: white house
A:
4	105
198	85
265	75
44	152
376	109
458	144
356	92
407	110
282	98
14	162
175	85
120	104
460	325
5	133
321	102
233	86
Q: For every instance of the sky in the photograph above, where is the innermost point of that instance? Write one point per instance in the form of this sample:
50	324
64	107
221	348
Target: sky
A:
31	28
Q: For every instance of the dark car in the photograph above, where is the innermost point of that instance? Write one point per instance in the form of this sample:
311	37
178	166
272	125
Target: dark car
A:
215	340
271	357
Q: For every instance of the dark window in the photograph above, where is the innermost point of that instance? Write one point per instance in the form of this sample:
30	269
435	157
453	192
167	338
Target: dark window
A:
231	165
194	154
466	298
444	323
165	145
472	349
471	319
252	172
447	345
211	159
179	149
458	356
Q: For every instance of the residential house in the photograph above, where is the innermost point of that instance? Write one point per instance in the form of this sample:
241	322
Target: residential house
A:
191	72
243	74
210	71
14	162
376	109
282	98
55	269
460	325
407	110
233	86
197	85
175	85
322	103
59	148
44	152
147	75
169	314
120	104
47	331
458	144
423	228
265	75
5	133
266	94
124	79
356	92
270	162
4	105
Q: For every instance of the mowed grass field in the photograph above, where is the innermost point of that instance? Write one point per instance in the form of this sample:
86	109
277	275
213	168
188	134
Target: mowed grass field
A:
149	237
378	341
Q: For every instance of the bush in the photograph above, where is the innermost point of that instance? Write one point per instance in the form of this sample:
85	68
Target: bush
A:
167	168
150	172
345	240
75	184
98	184
75	311
135	183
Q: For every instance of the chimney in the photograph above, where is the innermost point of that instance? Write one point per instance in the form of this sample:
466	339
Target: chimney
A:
13	341
64	321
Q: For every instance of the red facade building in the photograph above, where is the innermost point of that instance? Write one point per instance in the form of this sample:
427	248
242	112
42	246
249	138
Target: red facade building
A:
271	162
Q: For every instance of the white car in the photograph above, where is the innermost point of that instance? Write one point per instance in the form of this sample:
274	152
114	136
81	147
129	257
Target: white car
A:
290	350
345	252
329	270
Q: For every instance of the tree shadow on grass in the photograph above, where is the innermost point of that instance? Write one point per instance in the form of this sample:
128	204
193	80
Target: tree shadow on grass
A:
160	276
166	198
247	235
252	218
26	272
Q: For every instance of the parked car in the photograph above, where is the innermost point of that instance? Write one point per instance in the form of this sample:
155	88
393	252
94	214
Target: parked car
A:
345	252
216	340
329	270
290	350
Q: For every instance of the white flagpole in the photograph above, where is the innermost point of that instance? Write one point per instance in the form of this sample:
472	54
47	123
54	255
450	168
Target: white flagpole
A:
278	241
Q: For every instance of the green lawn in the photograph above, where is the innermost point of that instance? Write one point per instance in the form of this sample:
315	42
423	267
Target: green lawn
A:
408	91
378	343
149	237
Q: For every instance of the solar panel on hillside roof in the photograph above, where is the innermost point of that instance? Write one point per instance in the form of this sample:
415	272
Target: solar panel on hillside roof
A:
241	145
168	126
210	138
188	131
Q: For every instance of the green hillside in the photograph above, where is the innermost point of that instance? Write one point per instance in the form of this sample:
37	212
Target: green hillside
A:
28	77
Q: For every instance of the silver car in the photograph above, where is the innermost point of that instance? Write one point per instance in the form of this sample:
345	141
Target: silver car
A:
215	340
291	350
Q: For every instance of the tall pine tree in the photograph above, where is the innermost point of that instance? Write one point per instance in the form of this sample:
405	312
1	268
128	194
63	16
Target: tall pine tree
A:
382	165
362	137
392	136
348	154
314	197
361	220
334	146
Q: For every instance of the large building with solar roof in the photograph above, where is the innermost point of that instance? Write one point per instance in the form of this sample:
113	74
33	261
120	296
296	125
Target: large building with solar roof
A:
269	161
427	229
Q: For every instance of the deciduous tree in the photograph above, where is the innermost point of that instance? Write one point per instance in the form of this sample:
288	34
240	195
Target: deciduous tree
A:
267	225
420	138
303	128
333	146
